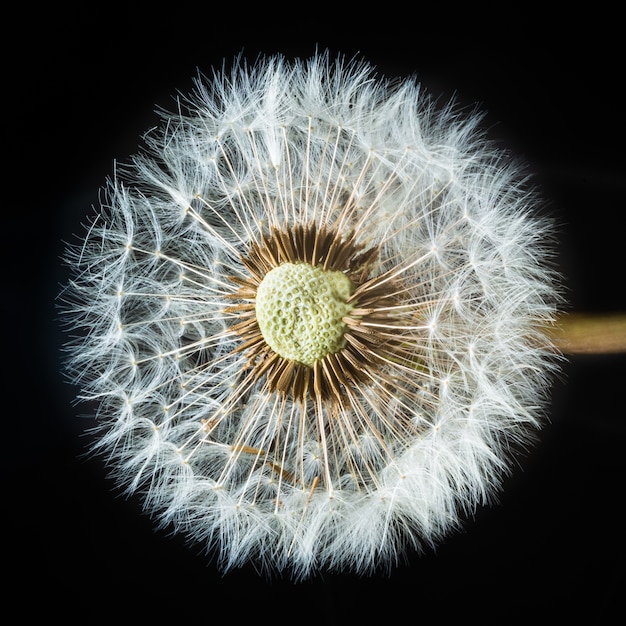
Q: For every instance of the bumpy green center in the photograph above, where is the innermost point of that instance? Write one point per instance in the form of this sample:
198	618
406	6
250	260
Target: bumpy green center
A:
299	309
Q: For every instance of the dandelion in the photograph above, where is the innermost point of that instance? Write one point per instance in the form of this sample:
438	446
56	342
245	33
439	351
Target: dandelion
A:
310	316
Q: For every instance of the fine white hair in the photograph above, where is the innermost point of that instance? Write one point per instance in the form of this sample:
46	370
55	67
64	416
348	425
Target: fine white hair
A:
454	382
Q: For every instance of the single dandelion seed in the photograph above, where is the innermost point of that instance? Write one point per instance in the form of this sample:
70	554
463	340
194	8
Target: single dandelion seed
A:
312	316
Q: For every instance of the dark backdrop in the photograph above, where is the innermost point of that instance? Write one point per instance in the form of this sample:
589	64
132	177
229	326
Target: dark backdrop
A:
81	85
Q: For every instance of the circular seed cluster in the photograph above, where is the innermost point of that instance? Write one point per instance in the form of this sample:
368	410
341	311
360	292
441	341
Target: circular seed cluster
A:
300	308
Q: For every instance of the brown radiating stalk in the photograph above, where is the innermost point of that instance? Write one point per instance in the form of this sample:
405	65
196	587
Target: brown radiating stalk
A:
374	336
586	333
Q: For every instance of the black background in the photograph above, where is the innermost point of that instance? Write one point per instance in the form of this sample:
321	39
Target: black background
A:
81	85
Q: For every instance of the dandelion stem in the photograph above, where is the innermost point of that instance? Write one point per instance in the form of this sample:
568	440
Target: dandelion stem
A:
588	333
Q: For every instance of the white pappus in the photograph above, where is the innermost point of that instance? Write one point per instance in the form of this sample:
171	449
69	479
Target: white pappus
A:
310	317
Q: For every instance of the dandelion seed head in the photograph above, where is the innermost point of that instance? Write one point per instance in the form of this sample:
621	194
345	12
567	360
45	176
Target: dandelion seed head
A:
309	317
